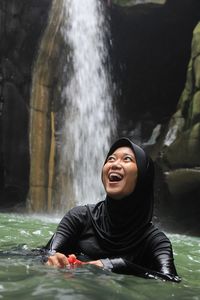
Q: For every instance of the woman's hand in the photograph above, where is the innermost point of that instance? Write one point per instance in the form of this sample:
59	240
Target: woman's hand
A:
97	263
61	261
58	260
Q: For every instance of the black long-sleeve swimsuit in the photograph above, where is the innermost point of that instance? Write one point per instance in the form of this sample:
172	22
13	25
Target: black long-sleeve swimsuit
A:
152	258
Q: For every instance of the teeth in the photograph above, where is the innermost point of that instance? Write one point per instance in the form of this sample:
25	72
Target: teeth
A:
115	177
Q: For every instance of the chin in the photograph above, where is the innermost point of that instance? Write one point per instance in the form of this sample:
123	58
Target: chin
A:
115	196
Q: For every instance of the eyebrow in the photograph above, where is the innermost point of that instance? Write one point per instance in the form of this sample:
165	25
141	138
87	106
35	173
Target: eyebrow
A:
130	154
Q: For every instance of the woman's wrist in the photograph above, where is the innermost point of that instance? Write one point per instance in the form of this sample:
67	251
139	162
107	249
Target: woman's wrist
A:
97	263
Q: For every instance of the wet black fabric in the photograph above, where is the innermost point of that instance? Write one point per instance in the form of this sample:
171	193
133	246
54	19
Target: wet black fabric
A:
123	224
120	232
153	256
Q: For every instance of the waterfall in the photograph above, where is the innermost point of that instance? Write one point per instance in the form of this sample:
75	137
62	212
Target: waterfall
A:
89	119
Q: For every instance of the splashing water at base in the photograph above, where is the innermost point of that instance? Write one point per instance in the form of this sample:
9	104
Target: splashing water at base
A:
23	276
89	117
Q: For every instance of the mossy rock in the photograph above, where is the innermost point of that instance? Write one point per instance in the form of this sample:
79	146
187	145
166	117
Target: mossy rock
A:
196	108
189	79
184	152
194	142
196	41
184	102
134	2
197	70
182	181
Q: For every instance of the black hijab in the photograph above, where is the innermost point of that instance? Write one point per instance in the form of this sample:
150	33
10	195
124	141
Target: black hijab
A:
120	225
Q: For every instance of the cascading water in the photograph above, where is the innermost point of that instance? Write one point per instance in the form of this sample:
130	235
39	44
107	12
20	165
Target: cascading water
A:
89	117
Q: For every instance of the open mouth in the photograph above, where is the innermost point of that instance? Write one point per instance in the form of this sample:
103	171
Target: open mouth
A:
113	177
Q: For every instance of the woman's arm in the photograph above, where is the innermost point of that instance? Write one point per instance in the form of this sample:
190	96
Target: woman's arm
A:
68	231
64	240
156	262
124	266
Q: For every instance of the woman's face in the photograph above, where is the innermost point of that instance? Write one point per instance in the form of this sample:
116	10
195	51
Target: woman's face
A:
119	174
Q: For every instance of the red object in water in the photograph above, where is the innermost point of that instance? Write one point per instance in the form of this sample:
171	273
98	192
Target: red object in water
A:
73	260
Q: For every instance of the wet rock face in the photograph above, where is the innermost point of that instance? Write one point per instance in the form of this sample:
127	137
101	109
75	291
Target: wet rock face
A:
184	150
151	50
151	65
181	156
19	35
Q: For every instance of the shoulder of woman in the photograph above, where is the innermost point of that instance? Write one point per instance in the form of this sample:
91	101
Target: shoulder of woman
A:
77	210
158	238
76	216
80	213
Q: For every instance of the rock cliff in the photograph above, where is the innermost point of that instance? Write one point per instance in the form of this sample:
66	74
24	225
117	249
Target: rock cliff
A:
157	99
181	148
21	26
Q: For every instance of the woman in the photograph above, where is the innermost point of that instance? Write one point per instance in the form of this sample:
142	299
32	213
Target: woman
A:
117	233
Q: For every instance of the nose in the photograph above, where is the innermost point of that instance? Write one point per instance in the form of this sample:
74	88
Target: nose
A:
116	165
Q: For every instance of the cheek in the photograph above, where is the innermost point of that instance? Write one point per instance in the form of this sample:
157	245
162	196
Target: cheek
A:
133	179
103	176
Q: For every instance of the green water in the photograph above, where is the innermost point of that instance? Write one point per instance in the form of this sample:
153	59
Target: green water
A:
22	275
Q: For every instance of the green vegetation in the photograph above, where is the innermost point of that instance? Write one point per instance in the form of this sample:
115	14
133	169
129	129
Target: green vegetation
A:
133	2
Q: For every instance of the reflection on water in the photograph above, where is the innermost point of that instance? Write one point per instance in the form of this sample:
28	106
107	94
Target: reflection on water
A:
22	274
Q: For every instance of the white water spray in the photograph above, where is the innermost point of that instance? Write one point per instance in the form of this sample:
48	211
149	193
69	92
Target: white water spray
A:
89	118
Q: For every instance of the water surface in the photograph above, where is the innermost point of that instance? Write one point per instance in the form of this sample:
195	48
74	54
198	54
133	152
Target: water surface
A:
22	274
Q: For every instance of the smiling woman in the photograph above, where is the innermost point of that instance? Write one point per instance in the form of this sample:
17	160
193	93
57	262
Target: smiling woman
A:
117	234
119	173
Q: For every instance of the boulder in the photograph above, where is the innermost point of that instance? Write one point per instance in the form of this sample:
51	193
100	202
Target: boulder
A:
22	23
151	47
181	150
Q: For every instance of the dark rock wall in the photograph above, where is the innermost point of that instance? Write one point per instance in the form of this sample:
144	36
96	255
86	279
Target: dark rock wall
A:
21	25
180	152
151	47
151	50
